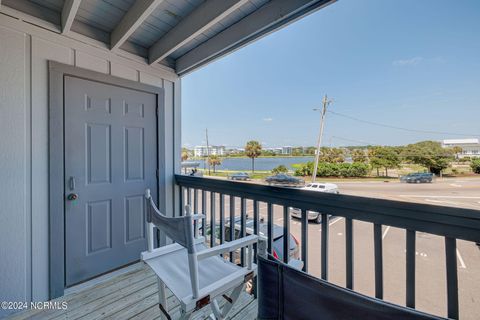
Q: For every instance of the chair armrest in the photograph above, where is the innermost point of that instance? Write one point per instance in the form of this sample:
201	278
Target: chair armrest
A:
198	216
227	247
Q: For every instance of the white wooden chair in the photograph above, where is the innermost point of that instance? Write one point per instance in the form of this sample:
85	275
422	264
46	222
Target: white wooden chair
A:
195	274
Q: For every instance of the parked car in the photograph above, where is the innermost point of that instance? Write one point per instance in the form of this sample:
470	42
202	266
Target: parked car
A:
263	231
284	179
239	176
319	187
322	187
417	178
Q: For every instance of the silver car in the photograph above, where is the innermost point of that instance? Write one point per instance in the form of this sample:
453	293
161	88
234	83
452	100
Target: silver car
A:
318	187
239	176
311	215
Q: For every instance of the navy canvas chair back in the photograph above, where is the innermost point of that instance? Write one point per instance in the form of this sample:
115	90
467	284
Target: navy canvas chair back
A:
285	293
179	229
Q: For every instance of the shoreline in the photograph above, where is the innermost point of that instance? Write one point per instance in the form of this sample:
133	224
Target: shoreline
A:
245	157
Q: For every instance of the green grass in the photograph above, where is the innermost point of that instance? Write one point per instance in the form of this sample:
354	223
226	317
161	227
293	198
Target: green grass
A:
455	170
257	175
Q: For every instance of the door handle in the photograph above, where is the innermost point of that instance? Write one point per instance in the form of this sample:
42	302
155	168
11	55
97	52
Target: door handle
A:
72	183
72	196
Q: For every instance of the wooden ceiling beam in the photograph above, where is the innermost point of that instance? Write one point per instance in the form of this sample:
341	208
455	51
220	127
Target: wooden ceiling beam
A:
202	18
134	17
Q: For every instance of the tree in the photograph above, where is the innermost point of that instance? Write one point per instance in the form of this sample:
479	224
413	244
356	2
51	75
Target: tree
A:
384	157
214	161
310	150
332	155
184	154
375	161
297	151
475	165
253	149
457	150
327	169
429	154
390	158
279	169
359	155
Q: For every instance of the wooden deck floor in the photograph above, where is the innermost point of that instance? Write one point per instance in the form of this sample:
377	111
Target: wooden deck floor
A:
131	295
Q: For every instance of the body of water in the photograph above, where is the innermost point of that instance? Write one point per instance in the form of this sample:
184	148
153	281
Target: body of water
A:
245	164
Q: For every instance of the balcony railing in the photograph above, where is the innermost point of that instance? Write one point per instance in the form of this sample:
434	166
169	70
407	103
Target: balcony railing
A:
448	222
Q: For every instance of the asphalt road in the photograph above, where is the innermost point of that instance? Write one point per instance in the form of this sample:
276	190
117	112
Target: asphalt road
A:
430	261
463	193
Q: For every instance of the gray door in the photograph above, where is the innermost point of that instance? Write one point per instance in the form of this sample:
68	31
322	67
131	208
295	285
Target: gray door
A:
110	158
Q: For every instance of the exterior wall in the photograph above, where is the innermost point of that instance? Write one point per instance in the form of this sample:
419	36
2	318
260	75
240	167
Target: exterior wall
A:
201	151
24	53
287	150
470	147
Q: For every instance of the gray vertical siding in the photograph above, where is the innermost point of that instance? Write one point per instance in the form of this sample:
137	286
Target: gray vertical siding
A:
14	168
24	254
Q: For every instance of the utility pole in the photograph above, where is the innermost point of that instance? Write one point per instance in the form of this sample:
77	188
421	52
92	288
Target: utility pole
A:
325	103
208	151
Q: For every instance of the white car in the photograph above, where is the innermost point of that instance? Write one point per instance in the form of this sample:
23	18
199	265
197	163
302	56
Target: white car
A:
319	187
322	187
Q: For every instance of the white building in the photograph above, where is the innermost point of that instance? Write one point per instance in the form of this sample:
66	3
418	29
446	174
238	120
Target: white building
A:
287	150
470	147
234	150
201	151
274	150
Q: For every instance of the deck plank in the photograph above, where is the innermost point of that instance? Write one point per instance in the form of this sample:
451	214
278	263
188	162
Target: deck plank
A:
131	295
248	312
78	299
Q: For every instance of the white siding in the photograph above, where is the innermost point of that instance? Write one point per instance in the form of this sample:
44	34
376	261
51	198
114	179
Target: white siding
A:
24	54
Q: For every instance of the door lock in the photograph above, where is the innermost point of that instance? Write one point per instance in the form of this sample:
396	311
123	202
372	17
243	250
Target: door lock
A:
72	196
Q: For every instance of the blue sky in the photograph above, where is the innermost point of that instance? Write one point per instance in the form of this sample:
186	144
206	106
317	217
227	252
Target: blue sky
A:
412	63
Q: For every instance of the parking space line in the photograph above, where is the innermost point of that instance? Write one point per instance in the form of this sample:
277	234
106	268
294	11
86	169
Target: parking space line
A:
462	263
335	221
385	232
436	196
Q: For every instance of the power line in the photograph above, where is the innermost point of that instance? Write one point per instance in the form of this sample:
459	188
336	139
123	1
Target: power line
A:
364	143
400	128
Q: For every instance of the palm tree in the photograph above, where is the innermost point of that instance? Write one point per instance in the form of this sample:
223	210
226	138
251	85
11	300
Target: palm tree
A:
458	150
253	149
214	161
184	155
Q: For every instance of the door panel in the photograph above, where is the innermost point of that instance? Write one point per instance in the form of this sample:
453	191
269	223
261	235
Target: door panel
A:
110	159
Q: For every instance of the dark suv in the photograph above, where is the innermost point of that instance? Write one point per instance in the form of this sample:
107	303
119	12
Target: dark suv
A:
417	178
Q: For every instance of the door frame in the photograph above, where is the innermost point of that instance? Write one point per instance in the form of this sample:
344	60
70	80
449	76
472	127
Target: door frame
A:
56	136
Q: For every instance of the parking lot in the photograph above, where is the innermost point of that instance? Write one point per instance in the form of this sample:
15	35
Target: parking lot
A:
430	252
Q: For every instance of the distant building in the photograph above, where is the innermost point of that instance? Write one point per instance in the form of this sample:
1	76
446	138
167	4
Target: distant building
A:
470	147
234	150
273	150
202	151
287	150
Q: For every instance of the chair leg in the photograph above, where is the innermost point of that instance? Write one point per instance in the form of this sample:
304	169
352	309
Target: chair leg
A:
217	312
162	300
234	297
184	315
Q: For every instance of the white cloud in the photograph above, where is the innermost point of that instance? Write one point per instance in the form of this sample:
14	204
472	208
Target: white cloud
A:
267	119
407	62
